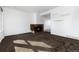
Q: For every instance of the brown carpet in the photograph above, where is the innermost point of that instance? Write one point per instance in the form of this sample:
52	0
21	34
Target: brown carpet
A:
39	42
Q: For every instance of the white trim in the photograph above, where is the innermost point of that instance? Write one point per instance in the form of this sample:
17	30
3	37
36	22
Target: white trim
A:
17	33
67	36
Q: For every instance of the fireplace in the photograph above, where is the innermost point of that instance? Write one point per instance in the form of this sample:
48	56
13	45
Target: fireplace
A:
36	28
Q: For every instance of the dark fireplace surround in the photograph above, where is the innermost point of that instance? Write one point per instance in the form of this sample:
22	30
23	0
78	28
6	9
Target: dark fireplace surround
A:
36	28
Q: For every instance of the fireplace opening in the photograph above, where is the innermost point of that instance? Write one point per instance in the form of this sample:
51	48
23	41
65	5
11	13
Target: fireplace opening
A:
36	28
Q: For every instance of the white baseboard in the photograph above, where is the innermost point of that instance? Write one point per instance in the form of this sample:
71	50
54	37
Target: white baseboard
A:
68	36
16	34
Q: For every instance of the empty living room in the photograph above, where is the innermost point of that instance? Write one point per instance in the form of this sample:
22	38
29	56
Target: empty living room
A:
39	28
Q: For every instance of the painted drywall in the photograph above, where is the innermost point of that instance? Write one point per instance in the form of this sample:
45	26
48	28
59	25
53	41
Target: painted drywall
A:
75	23
65	21
46	20
16	22
37	18
0	21
47	25
34	18
1	25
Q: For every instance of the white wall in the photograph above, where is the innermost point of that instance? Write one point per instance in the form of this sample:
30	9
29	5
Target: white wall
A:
1	26
0	20
65	21
37	18
75	22
46	20
47	25
16	22
34	18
